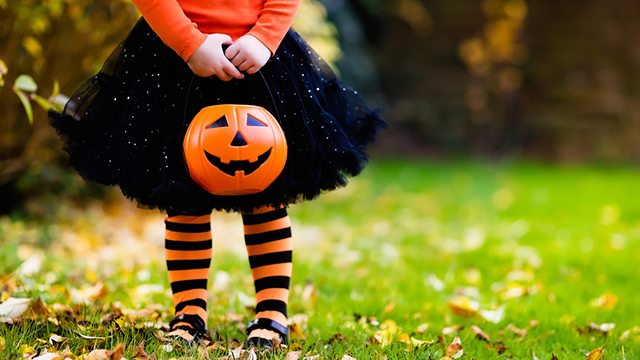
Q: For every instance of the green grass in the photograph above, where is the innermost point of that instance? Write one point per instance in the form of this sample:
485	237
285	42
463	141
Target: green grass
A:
365	254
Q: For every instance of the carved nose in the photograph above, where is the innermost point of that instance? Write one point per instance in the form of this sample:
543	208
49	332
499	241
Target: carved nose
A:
239	140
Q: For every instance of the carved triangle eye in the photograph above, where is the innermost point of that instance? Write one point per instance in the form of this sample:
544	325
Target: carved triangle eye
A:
251	121
222	122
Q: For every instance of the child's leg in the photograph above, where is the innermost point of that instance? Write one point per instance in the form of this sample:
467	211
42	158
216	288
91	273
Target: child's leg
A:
269	245
188	247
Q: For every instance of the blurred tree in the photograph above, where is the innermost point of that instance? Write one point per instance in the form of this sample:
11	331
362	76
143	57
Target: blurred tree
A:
64	42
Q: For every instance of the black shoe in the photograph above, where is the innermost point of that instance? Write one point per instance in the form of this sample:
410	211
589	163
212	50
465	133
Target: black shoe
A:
266	324
194	331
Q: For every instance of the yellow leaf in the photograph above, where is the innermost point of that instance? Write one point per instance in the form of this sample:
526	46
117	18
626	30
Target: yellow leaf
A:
27	349
605	301
389	307
3	344
596	354
463	306
32	45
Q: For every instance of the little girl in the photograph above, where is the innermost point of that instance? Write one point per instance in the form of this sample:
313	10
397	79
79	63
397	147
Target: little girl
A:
126	125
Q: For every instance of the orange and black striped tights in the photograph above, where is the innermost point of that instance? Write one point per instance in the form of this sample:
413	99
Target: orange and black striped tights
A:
188	244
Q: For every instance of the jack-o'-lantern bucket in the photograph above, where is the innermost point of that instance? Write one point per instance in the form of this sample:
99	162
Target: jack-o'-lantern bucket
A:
234	149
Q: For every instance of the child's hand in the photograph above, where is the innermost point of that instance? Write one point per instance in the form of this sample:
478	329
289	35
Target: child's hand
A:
209	59
248	54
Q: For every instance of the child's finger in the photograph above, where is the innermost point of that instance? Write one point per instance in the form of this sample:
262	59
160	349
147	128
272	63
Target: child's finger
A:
232	52
232	71
253	69
246	64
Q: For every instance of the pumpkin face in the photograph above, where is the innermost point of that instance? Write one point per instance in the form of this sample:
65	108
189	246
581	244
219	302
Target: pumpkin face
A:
234	149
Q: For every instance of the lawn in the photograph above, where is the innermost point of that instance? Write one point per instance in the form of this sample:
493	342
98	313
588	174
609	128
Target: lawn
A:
414	259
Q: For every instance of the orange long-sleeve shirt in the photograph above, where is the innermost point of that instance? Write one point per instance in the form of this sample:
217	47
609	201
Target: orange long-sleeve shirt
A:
183	24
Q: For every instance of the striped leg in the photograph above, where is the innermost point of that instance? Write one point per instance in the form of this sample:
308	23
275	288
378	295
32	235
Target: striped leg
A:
269	246
188	252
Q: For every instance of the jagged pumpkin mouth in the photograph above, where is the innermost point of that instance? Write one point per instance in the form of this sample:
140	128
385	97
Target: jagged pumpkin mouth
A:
245	166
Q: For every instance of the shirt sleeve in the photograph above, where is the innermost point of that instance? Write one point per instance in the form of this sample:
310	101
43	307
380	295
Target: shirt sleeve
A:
274	20
175	29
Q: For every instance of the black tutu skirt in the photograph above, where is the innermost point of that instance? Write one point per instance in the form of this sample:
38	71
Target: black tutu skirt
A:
125	126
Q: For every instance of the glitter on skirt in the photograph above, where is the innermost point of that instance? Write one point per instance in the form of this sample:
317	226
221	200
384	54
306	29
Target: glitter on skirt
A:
125	125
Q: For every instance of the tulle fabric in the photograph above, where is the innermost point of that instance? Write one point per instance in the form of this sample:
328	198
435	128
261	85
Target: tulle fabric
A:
125	125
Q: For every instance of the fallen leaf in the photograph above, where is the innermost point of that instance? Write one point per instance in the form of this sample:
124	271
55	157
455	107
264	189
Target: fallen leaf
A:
293	355
55	338
605	301
347	357
451	329
493	316
434	282
627	333
422	328
389	307
295	332
596	354
102	354
337	338
48	356
88	295
140	353
516	330
3	344
480	334
413	342
463	306
603	328
454	350
38	310
13	308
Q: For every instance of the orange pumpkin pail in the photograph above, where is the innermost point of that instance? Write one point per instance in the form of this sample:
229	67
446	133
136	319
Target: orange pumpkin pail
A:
234	149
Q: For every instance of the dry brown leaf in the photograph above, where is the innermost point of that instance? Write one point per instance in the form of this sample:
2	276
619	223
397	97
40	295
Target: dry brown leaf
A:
140	353
480	334
516	330
13	308
605	301
454	350
293	355
337	338
296	333
463	306
38	310
101	354
596	354
88	295
451	329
